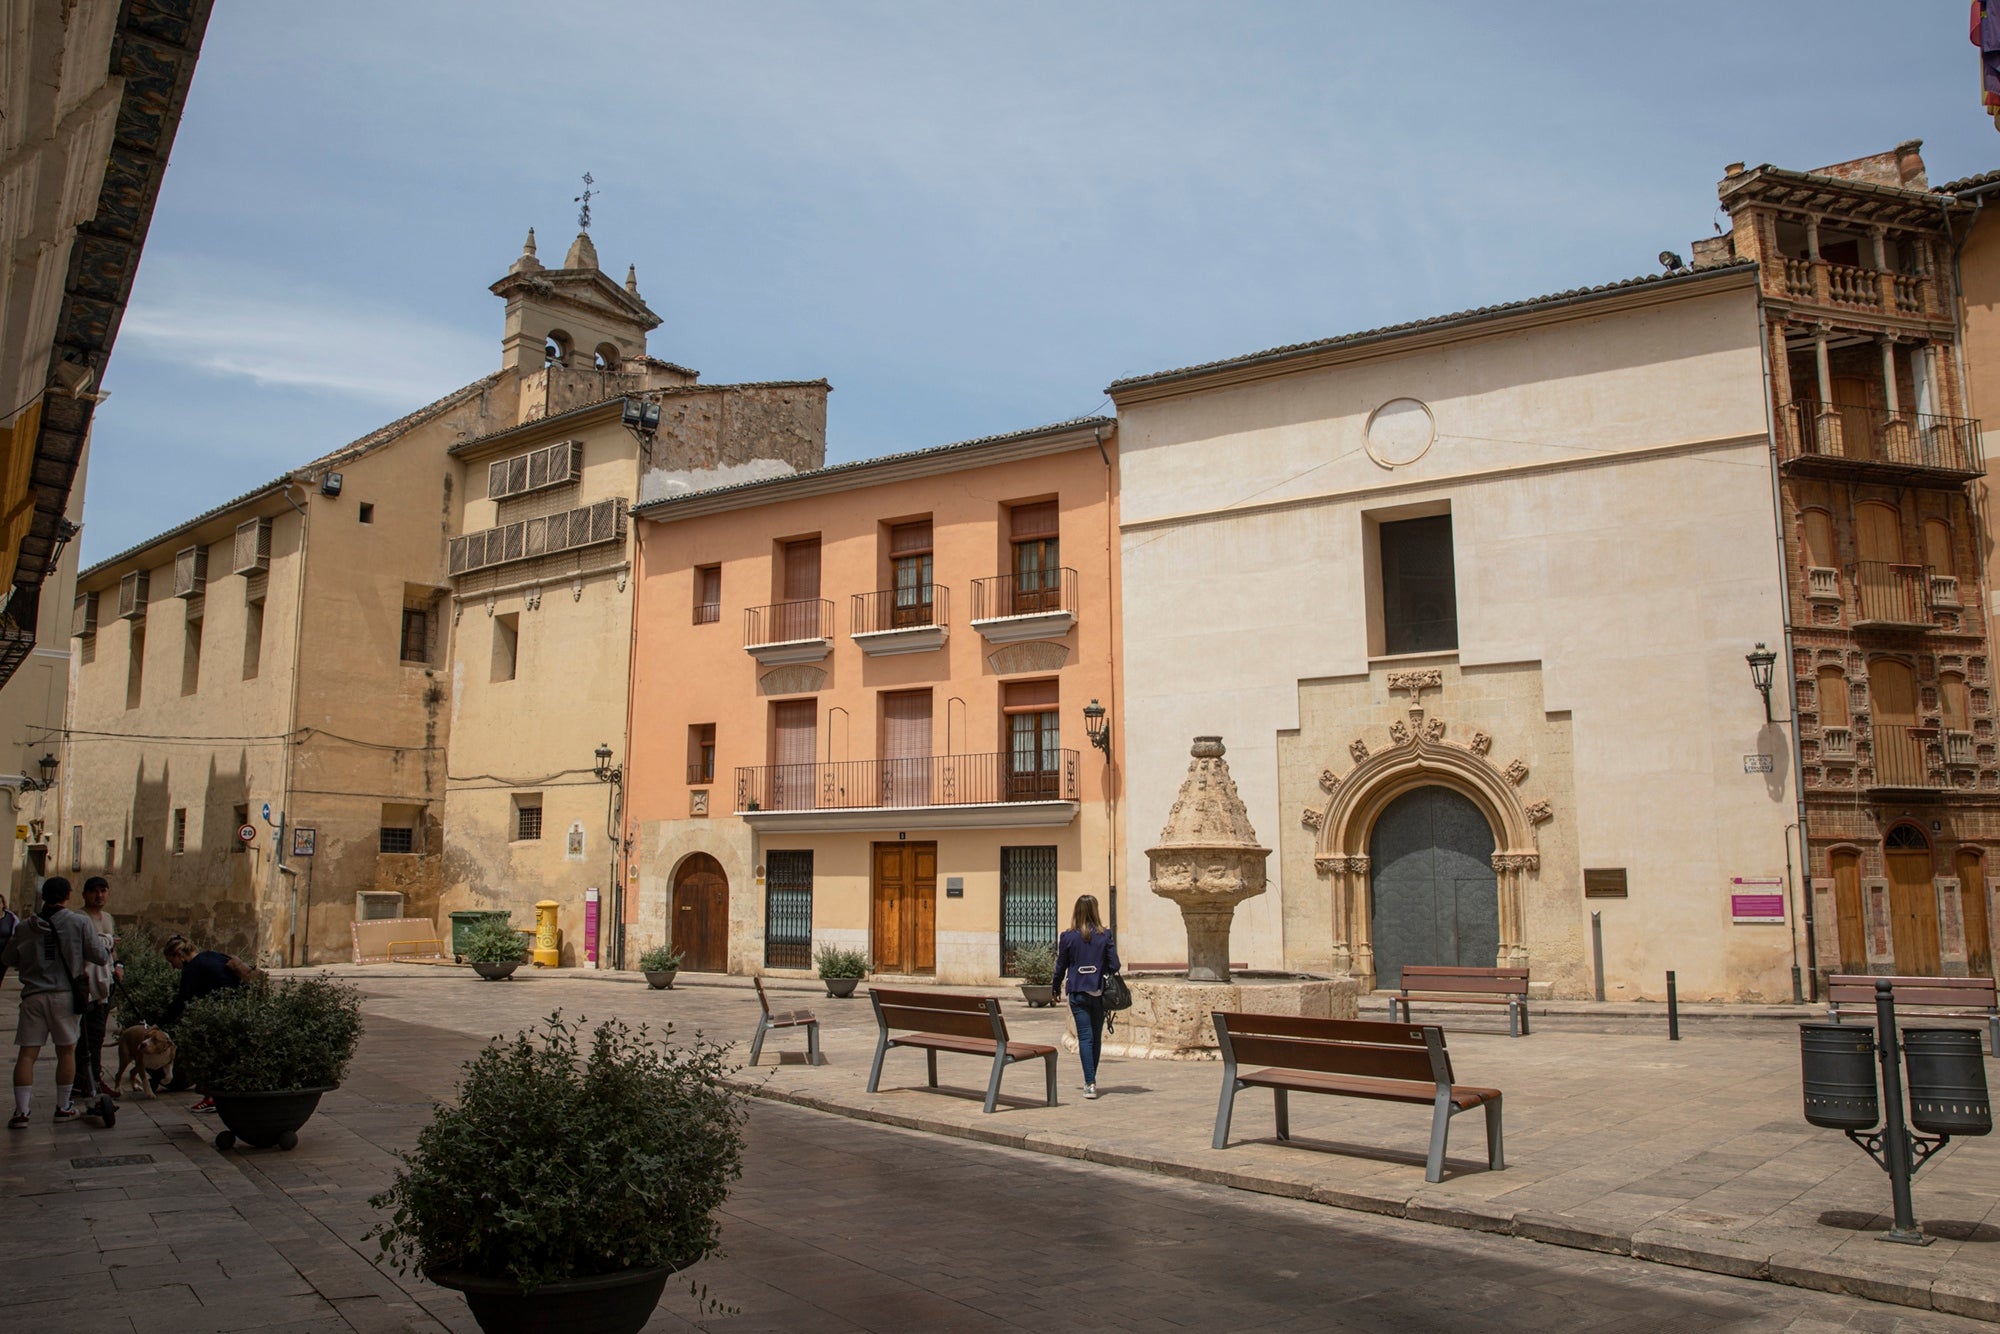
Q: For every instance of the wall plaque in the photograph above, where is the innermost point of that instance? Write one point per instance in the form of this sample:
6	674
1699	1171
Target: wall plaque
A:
1606	882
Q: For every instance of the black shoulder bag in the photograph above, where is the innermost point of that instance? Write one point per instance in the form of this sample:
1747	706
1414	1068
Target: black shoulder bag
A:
1117	996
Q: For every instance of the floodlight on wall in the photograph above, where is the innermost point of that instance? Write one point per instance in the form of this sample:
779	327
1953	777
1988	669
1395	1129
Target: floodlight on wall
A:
1761	661
642	415
329	485
1669	261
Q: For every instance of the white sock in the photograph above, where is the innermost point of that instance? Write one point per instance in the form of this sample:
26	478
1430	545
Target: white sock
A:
22	1092
62	1098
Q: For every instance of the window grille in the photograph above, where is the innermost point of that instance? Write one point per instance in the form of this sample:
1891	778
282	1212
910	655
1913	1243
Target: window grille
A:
416	635
788	893
1027	901
528	822
398	840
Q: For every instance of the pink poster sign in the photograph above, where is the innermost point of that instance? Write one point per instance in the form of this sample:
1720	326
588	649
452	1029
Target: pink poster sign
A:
590	926
1759	899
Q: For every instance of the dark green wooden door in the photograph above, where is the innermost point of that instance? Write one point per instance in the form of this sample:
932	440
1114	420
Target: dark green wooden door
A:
1435	897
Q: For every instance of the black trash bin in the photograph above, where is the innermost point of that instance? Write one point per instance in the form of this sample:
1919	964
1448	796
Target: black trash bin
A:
1839	1068
1946	1072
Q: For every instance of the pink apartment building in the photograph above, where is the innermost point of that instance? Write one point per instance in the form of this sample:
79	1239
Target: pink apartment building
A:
862	708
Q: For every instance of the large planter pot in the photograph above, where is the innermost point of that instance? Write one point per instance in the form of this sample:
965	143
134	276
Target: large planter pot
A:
495	972
842	987
264	1119
619	1303
1037	996
662	980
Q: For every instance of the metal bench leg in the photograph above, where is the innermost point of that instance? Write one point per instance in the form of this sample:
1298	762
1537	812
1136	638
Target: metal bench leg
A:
1440	1132
875	1071
1524	1016
1513	1021
930	1062
757	1039
993	1081
1495	1157
1282	1104
1993	1032
1049	1062
812	1044
1224	1108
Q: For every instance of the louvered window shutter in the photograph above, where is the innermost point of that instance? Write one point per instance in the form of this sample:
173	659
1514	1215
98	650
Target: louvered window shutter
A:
795	732
496	479
802	570
1030	696
910	539
906	725
1027	522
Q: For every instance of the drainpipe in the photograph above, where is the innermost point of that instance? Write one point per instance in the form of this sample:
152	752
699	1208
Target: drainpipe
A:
292	703
1112	773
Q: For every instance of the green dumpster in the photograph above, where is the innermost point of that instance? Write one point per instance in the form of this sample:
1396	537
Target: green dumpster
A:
462	922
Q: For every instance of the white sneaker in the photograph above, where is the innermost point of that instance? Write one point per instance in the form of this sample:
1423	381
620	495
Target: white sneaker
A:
1090	1090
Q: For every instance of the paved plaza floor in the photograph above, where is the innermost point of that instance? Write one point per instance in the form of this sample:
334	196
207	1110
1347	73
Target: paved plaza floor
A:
844	1223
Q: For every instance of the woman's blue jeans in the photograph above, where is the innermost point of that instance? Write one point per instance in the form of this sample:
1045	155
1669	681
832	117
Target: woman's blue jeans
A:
1088	1011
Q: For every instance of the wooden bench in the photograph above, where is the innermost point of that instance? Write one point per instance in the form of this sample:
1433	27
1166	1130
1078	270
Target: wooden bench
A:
1466	986
937	1022
1947	997
770	1019
1351	1058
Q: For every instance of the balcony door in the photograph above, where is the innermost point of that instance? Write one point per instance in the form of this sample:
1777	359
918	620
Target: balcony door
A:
1854	402
1037	558
910	562
903	908
1893	738
1034	741
906	748
794	748
798	615
1883	583
1913	925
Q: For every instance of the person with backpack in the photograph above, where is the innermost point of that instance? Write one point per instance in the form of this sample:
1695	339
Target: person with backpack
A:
51	949
1085	956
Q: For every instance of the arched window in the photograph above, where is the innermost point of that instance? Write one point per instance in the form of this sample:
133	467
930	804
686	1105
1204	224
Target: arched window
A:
555	348
1937	547
1820	550
1832	698
608	357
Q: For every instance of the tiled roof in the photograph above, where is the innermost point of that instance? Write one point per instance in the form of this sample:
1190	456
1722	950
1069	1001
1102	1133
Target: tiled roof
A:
380	435
1968	183
879	461
1574	295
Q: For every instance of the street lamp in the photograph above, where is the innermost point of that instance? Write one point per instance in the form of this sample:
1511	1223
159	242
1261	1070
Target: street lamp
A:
1761	661
47	764
613	776
605	772
1097	728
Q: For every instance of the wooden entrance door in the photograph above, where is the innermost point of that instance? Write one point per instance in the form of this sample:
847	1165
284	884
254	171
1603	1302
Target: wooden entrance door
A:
701	915
1913	927
1972	908
903	908
1849	920
1434	895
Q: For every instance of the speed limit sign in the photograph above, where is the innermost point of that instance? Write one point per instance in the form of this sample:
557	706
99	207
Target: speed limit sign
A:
247	833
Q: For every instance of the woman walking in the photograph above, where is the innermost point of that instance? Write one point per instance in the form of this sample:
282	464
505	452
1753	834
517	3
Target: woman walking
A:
1084	955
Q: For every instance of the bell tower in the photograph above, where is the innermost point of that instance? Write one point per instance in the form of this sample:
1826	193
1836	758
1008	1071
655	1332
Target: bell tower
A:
575	317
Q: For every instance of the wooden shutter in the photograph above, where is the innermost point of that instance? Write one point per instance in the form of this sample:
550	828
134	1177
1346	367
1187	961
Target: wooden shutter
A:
906	725
1027	522
1832	697
794	731
711	585
1030	696
910	539
802	570
1819	539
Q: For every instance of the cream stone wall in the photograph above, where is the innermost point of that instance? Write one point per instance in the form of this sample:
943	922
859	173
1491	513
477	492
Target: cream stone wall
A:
1979	317
1606	470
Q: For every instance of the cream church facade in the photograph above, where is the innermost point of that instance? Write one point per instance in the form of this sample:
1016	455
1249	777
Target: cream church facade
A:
1469	602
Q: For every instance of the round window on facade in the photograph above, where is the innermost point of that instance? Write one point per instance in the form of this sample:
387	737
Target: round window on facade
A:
1399	432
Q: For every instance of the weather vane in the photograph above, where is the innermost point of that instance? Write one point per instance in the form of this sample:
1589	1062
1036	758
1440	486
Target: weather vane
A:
583	217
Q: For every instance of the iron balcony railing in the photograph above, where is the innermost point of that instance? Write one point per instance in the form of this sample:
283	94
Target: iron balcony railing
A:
1861	435
786	622
911	608
1902	756
1028	593
935	780
1890	594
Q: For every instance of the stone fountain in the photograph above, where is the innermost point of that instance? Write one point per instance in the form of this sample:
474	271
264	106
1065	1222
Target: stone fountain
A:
1208	860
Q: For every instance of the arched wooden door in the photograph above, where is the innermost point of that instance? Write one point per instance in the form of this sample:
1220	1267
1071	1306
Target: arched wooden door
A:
1913	926
701	915
1850	922
1434	897
1972	907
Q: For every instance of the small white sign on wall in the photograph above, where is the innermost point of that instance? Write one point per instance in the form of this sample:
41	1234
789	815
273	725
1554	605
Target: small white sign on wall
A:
573	849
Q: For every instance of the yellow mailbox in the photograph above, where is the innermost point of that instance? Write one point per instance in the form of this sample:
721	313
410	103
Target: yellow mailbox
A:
547	955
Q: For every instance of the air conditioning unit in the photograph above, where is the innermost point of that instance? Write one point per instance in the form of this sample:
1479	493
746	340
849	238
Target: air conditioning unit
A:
132	596
190	572
83	623
253	547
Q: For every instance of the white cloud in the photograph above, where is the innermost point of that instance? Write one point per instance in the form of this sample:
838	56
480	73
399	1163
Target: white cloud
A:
279	334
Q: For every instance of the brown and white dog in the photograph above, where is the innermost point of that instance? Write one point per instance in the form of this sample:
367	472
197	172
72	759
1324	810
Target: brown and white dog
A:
142	1048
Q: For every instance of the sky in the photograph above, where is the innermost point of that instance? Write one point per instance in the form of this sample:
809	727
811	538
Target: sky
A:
968	218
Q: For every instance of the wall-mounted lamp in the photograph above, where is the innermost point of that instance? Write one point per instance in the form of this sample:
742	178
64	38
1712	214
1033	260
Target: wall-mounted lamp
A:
1098	728
1761	661
47	764
606	772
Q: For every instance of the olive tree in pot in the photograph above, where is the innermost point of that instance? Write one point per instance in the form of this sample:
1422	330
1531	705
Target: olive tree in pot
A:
494	948
568	1184
659	964
841	970
1035	965
267	1053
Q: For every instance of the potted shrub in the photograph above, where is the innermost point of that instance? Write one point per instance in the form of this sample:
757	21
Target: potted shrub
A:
1035	965
494	948
566	1185
659	964
267	1053
840	969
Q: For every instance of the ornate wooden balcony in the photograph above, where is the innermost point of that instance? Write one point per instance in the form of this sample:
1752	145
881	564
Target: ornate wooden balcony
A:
1834	440
1905	759
1891	596
1823	283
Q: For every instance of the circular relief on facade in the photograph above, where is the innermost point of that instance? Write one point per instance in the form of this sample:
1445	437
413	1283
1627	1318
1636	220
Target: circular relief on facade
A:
1399	432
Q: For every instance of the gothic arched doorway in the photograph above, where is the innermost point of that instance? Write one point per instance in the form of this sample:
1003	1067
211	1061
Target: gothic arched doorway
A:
1913	923
1435	898
701	915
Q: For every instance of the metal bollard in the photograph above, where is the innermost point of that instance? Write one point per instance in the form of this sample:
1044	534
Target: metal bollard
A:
1597	949
1673	1009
